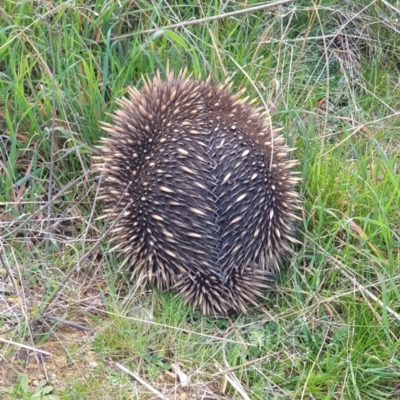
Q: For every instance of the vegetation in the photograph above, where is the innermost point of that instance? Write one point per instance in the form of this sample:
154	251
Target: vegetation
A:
329	72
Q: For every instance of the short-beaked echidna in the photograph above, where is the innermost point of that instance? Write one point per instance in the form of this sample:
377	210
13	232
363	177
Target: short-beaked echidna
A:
199	191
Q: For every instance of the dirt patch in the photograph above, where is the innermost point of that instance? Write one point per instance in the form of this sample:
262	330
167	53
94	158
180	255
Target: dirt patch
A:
71	360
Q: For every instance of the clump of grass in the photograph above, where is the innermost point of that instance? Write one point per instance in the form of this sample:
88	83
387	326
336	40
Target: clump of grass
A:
329	72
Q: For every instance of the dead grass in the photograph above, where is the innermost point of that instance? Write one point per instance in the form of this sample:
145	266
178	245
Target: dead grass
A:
331	328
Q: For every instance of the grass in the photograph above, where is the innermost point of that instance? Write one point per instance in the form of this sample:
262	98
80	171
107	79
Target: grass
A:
329	70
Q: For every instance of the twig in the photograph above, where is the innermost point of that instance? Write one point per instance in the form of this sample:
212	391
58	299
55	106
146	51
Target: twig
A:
69	323
358	128
387	4
370	294
141	381
208	19
6	267
73	270
51	132
42	208
341	267
24	346
246	364
79	262
231	378
175	328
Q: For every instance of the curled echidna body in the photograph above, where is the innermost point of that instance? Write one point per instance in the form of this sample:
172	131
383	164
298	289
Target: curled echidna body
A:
199	192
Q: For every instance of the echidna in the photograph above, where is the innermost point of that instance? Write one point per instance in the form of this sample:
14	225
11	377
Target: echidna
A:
199	191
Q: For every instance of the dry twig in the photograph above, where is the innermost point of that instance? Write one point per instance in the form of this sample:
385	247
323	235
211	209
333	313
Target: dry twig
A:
137	378
24	346
209	19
